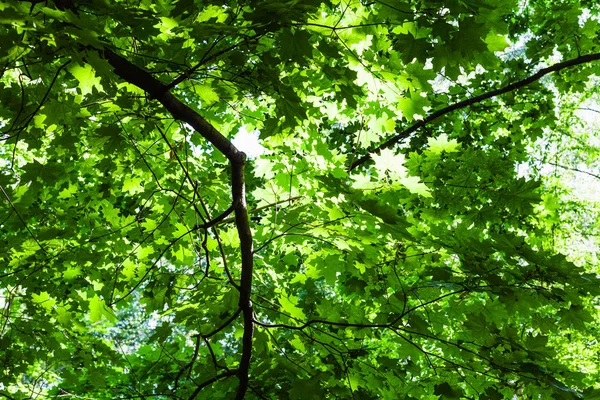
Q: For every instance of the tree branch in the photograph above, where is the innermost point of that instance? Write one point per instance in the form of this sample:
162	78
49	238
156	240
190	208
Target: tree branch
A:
242	221
211	381
22	220
573	169
223	326
258	209
474	100
180	111
159	91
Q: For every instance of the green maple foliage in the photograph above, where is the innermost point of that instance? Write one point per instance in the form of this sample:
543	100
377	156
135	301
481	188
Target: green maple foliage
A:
383	244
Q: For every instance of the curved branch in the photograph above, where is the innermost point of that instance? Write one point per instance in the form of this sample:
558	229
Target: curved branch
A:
180	111
12	205
223	326
474	100
211	381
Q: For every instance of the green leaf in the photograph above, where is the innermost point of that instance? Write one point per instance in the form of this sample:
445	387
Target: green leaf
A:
44	300
413	184
99	310
414	106
289	306
388	160
86	77
496	42
442	144
207	94
296	46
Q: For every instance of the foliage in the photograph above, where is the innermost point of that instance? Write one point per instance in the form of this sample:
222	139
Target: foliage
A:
383	244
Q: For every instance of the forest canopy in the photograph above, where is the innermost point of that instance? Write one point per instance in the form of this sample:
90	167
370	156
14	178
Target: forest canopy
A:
316	199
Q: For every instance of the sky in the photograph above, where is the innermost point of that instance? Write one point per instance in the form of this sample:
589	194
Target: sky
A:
248	143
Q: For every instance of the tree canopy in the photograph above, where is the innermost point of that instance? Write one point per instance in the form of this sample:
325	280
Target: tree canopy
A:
406	225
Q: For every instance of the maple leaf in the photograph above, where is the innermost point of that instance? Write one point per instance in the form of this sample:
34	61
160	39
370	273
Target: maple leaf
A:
442	144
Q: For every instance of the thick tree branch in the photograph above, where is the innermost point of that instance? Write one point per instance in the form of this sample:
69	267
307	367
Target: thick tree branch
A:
159	91
242	221
474	100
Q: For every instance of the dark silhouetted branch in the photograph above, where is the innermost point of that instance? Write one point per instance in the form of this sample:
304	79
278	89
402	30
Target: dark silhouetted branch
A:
474	100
